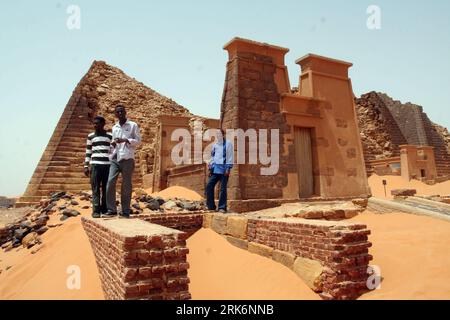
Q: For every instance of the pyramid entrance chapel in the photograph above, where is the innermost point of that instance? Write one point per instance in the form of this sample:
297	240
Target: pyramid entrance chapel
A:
321	154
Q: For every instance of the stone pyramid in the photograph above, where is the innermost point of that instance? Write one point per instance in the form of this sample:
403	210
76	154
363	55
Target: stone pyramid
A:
99	91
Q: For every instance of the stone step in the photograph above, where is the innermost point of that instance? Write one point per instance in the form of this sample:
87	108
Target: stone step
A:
71	149
76	140
75	133
66	181
58	163
69	159
30	199
62	175
63	184
24	204
78	145
47	193
72	154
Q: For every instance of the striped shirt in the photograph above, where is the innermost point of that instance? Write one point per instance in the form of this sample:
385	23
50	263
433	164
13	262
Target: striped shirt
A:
97	149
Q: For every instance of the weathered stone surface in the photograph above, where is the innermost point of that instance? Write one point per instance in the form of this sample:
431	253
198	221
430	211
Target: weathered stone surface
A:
284	258
30	240
403	192
260	249
309	271
207	219
219	223
70	213
237	227
240	243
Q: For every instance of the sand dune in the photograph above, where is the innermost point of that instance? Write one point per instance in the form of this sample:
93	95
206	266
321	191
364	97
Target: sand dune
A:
178	192
413	253
43	275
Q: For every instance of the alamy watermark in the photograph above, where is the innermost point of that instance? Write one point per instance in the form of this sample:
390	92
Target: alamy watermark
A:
374	19
73	21
260	150
73	281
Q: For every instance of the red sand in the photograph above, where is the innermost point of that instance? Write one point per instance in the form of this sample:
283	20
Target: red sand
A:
397	182
222	271
413	253
43	275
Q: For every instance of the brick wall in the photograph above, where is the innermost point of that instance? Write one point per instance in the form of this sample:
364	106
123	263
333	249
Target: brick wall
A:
186	222
139	260
331	257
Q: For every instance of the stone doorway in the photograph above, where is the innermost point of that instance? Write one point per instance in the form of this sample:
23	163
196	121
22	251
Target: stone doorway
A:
304	159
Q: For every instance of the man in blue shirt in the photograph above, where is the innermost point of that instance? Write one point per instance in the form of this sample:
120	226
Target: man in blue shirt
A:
219	170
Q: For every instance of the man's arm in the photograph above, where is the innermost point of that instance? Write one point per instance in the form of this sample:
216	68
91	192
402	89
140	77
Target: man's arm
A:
229	158
87	159
136	136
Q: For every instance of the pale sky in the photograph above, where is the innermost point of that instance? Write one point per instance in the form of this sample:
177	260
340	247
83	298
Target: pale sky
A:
175	47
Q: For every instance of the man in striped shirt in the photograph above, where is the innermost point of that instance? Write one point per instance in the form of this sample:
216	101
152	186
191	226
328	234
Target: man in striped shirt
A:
97	157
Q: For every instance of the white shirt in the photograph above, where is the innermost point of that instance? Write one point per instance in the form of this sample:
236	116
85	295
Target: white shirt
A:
129	130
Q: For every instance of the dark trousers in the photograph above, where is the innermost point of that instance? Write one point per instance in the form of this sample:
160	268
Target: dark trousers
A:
126	168
213	179
99	180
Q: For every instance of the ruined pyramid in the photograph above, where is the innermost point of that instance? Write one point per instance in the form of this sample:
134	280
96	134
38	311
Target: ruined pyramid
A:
99	91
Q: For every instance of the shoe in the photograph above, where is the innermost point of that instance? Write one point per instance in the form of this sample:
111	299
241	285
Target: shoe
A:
222	211
110	214
125	215
96	215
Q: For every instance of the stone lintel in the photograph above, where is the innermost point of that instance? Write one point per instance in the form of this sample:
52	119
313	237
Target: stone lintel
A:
320	64
237	44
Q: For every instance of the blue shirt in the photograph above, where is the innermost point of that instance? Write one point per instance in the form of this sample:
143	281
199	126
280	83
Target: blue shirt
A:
221	157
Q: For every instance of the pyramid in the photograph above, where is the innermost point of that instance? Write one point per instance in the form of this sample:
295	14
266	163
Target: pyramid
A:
385	124
99	91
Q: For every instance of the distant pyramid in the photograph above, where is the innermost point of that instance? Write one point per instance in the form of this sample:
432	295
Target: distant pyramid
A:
385	124
99	91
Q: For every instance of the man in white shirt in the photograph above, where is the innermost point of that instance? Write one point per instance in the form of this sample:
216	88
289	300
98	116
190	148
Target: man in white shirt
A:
125	138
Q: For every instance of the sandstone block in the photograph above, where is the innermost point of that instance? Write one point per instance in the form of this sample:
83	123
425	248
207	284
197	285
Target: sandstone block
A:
310	272
403	192
237	227
260	249
207	219
285	258
219	223
240	243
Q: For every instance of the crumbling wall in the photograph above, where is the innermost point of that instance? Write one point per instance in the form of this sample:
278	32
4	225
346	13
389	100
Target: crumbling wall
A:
331	257
139	260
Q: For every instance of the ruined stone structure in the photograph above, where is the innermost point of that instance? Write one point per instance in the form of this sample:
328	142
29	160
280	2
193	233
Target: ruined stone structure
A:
414	162
165	172
139	260
330	257
320	150
145	258
98	92
386	125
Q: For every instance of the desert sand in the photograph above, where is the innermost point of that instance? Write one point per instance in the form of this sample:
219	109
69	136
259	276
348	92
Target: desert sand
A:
397	182
43	275
412	252
177	192
222	271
